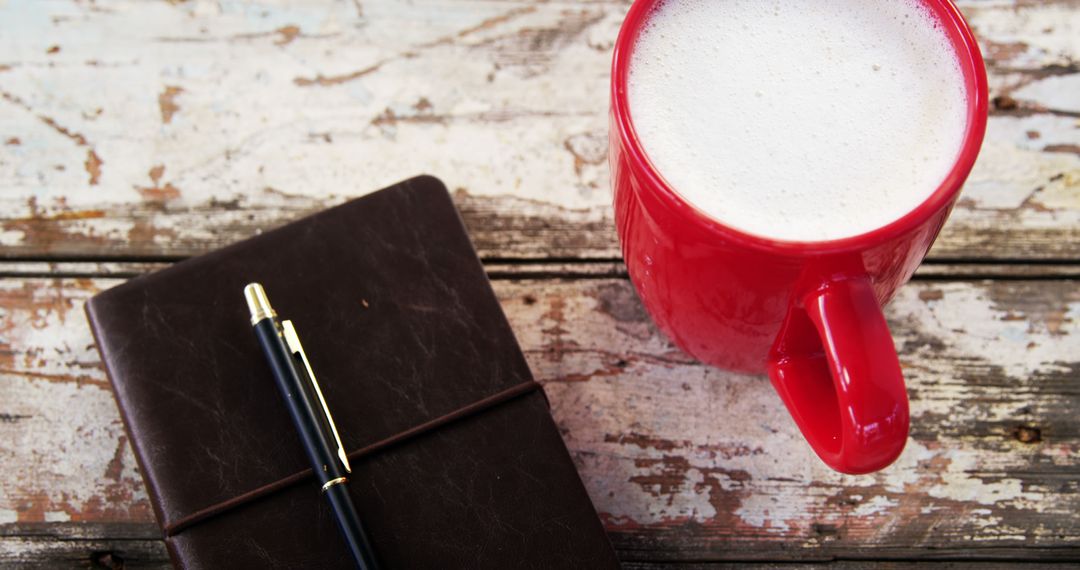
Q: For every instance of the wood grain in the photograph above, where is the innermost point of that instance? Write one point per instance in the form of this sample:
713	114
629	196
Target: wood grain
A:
114	546
132	546
684	462
545	269
165	129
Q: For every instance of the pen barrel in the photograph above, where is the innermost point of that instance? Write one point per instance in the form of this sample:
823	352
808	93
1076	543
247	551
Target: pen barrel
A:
305	417
297	389
355	536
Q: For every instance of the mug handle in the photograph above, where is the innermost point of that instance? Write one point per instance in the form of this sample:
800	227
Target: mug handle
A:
835	367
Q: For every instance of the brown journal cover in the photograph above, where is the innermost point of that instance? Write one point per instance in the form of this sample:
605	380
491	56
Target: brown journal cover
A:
401	327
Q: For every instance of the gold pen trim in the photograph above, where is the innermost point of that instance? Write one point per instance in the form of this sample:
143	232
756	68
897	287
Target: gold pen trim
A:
258	304
333	482
292	340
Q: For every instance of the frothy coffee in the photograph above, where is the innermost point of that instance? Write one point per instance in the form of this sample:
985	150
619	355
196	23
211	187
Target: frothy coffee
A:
802	120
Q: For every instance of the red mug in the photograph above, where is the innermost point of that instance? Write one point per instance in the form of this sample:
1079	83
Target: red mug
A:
808	313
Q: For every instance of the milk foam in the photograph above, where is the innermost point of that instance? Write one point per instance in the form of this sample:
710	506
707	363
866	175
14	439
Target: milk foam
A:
800	120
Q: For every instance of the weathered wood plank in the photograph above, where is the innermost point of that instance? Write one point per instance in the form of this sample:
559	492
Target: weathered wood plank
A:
542	269
118	546
111	545
214	121
684	459
684	462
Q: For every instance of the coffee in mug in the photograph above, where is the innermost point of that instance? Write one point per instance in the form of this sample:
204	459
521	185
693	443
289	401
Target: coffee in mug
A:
801	120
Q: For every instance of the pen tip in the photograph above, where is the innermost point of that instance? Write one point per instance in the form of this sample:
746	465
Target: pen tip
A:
257	302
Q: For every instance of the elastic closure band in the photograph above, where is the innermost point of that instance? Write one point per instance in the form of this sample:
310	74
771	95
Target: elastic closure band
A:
286	482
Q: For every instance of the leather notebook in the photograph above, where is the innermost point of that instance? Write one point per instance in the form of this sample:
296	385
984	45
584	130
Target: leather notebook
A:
456	460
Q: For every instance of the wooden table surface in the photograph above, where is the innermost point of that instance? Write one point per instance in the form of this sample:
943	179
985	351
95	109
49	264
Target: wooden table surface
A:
136	133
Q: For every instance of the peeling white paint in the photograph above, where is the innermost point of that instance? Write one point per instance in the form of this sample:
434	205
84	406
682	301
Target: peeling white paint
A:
57	516
56	330
244	123
737	445
1061	93
66	453
498	99
961	481
769	512
969	322
1049	30
1009	170
875	506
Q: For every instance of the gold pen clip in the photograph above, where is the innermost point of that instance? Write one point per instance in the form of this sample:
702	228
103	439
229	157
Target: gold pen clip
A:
293	342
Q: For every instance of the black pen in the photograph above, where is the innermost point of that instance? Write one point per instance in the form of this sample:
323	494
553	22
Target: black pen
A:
306	404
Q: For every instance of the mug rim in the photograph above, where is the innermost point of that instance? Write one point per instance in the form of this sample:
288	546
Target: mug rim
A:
971	61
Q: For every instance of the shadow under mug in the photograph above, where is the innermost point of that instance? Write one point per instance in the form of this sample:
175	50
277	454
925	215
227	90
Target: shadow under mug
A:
808	313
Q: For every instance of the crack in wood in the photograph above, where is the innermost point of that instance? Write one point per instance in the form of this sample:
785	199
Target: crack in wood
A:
73	136
325	81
